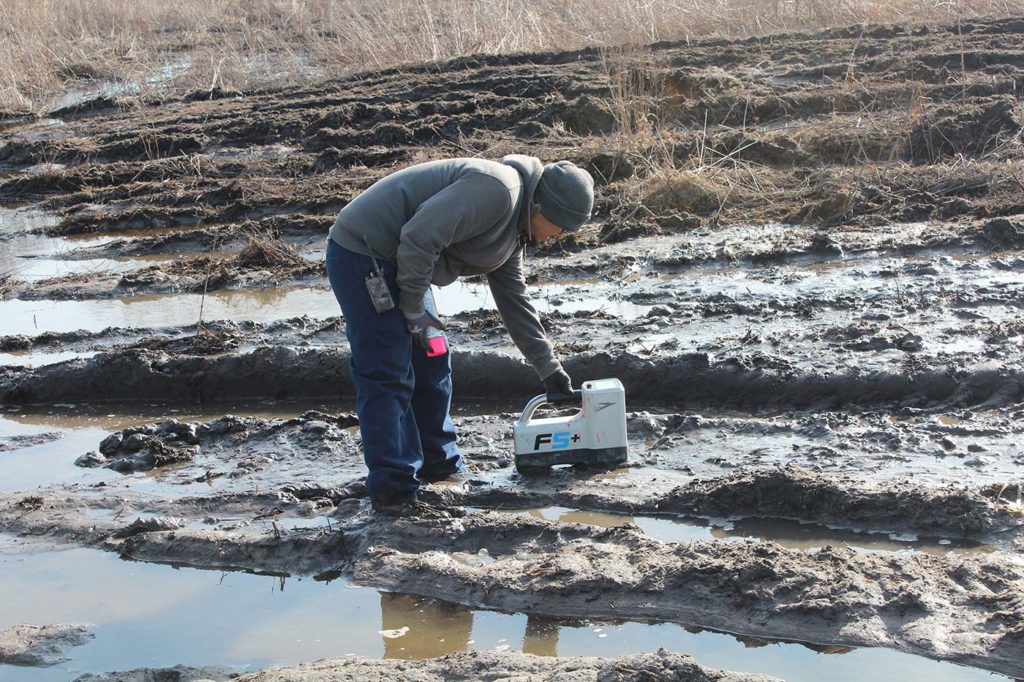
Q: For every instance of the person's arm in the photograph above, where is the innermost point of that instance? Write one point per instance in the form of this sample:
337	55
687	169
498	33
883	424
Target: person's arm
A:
508	286
469	206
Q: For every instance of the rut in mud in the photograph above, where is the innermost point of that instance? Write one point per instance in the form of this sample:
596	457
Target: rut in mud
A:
805	268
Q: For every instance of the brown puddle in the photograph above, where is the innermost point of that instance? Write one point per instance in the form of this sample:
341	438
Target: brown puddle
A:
787	533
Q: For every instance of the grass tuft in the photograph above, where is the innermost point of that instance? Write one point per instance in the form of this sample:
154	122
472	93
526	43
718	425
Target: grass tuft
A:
263	252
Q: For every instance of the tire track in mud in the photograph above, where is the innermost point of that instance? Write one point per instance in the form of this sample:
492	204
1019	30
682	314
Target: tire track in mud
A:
747	383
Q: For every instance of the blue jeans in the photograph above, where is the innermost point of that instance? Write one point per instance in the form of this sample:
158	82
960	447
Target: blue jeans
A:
403	397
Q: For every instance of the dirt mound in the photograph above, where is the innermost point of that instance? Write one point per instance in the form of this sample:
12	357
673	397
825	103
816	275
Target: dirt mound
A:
747	381
205	342
1004	233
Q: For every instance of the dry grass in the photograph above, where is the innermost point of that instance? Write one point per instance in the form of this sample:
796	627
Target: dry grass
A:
144	45
267	252
664	178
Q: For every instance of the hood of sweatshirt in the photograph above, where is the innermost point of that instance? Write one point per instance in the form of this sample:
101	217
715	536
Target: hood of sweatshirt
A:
530	169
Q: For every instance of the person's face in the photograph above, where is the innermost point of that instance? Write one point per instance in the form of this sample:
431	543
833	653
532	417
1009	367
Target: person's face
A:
543	229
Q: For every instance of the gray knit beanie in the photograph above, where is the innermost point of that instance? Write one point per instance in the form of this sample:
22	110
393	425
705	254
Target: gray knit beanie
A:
565	195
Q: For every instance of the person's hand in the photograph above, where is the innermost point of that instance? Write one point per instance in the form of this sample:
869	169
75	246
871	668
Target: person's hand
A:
417	324
558	386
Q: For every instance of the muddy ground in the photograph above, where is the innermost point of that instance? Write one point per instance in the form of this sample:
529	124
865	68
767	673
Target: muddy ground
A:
818	318
470	666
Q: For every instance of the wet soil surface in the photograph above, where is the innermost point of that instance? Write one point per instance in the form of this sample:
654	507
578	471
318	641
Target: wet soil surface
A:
817	322
30	645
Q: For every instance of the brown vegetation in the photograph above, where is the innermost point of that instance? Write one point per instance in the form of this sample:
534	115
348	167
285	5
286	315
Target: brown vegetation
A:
134	46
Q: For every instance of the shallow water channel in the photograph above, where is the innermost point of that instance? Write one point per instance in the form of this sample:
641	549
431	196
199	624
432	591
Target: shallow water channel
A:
147	615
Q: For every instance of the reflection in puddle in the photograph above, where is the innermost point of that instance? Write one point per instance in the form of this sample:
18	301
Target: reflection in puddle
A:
428	628
256	305
148	615
35	317
31	258
53	462
92	239
789	534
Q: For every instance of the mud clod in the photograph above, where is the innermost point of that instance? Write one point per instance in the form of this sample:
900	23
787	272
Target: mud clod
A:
8	443
150	525
144	448
40	645
588	115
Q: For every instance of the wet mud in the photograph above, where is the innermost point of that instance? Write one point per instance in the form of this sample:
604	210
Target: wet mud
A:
808	280
179	673
472	666
29	645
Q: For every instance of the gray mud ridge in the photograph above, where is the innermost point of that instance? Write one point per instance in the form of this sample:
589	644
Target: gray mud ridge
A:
468	666
178	673
792	493
40	645
750	381
507	666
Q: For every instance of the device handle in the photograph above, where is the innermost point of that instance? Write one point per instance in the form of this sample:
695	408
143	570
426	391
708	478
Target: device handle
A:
538	400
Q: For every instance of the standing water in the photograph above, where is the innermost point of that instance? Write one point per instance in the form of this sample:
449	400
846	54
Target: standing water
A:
147	615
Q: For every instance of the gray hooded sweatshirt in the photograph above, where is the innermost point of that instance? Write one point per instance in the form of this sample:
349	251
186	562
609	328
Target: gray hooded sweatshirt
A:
441	220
